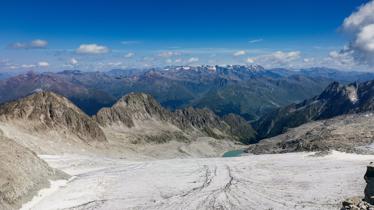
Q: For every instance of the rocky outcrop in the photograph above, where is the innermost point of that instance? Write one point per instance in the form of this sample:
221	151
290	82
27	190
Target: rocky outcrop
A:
356	203
136	109
336	100
22	174
369	178
49	111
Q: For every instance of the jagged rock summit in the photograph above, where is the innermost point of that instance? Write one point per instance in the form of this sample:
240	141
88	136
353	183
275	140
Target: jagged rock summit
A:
46	110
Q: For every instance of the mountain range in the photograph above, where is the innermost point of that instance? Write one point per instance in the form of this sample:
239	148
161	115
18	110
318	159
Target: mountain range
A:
249	91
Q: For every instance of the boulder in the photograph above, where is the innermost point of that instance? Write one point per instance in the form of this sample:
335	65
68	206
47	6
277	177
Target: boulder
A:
369	178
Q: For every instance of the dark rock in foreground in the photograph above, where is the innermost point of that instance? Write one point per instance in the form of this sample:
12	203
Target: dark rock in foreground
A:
369	178
359	203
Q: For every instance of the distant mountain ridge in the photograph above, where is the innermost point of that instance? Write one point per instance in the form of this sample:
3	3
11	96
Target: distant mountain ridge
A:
250	91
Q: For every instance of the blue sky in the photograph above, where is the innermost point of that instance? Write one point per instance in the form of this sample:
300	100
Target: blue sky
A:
100	35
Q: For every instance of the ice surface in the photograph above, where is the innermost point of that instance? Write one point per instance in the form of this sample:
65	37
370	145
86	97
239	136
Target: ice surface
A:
279	181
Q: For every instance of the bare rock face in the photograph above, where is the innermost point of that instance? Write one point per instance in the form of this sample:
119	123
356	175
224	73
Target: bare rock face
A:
134	106
137	108
369	178
47	110
22	174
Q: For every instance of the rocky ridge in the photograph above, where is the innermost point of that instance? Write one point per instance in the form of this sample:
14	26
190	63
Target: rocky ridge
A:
353	133
47	110
135	109
335	100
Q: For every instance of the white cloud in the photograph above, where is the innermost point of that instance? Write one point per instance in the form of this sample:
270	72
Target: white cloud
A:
286	56
276	59
365	39
130	42
73	61
34	44
255	40
193	60
343	58
27	66
43	64
174	61
129	55
92	49
38	43
364	16
308	60
18	45
168	54
111	64
240	53
360	26
250	60
169	61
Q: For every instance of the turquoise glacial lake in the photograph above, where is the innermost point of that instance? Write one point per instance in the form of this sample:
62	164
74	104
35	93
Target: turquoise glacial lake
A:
233	153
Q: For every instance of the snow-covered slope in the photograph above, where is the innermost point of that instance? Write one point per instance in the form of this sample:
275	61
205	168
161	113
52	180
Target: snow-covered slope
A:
280	181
